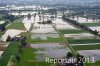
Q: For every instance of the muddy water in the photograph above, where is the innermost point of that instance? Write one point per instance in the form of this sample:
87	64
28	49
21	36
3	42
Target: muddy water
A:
51	50
44	36
91	54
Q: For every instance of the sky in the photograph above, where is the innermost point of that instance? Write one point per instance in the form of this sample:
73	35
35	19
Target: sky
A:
53	1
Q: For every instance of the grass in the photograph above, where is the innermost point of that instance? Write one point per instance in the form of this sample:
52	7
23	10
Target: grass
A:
16	25
49	40
72	31
86	47
1	16
28	59
23	34
1	33
83	41
9	51
93	64
26	56
92	24
38	40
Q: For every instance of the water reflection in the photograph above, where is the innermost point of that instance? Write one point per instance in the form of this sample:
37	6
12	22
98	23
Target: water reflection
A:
44	36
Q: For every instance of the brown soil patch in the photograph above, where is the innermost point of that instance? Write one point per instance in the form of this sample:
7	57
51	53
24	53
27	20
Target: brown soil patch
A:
28	46
2	48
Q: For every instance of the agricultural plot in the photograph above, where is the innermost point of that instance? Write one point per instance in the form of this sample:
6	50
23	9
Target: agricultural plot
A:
1	33
92	24
86	47
16	25
28	57
12	49
35	54
84	42
73	31
48	40
41	45
80	36
43	41
95	64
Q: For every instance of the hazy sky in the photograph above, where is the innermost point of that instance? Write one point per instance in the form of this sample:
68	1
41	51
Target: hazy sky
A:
51	0
59	0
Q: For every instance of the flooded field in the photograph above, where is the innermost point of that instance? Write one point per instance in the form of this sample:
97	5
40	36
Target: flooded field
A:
52	50
44	36
80	36
43	29
95	54
57	50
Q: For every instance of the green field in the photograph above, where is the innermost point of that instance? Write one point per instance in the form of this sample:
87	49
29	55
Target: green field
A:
92	24
49	40
12	49
86	47
73	31
23	34
93	64
1	33
83	41
16	25
28	59
38	40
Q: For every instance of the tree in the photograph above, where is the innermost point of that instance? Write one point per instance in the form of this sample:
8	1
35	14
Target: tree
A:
63	13
56	15
18	58
52	11
68	15
73	17
29	16
39	17
87	18
24	43
34	16
77	17
19	13
10	17
49	22
20	49
2	27
93	18
8	38
69	54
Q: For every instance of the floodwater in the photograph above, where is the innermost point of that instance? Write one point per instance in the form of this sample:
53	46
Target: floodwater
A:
40	28
80	36
91	54
51	50
44	36
57	50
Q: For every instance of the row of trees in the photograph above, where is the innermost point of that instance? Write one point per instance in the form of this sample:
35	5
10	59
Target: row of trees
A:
8	19
94	17
12	18
81	26
3	26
